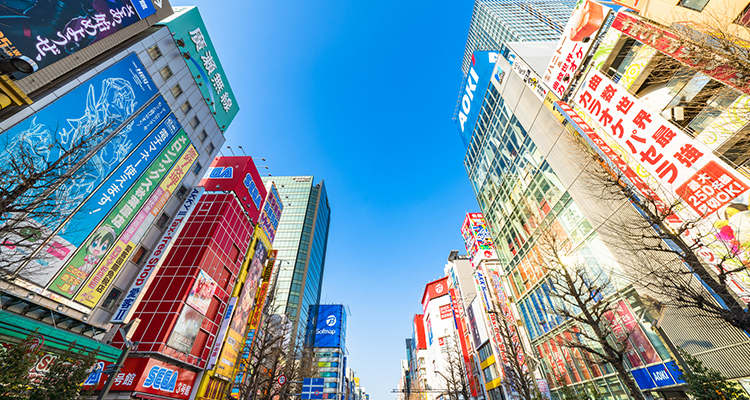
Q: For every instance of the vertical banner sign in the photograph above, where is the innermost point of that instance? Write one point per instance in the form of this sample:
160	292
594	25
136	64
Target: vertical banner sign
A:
144	278
98	106
50	31
88	257
578	37
473	91
187	25
477	239
95	208
222	333
269	217
100	280
677	167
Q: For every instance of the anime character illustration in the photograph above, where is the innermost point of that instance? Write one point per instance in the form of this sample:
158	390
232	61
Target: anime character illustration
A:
734	229
95	249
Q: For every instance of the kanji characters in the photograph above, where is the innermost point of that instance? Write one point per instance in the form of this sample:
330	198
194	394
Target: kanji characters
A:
594	82
687	155
624	105
197	37
226	102
608	92
208	62
663	136
218	83
641	119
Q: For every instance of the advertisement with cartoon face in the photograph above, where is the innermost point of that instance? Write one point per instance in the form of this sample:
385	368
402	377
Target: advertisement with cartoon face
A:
202	292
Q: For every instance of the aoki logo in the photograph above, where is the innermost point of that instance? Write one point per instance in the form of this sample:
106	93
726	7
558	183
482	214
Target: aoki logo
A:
471	87
161	378
221	172
331	320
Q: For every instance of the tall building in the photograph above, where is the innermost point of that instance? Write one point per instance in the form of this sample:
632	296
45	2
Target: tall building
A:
330	350
495	22
301	242
540	132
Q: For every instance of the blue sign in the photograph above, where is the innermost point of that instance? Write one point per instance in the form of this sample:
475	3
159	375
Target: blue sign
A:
657	376
312	388
100	104
329	331
660	375
107	195
473	91
144	8
643	379
674	370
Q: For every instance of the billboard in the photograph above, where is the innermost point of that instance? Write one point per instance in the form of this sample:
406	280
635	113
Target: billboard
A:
434	290
576	41
473	91
144	278
46	31
272	207
330	330
147	375
82	263
222	333
202	292
101	104
476	323
85	220
237	174
187	26
672	165
186	329
477	239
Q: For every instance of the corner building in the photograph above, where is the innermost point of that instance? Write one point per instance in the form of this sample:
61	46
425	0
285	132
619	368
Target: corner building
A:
301	242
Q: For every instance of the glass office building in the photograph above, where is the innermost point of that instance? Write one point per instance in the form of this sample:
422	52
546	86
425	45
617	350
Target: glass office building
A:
495	22
301	241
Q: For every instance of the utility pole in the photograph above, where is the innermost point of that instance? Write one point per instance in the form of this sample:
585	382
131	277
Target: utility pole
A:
126	331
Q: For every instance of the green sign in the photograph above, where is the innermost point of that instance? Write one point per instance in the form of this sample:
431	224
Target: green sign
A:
190	33
91	254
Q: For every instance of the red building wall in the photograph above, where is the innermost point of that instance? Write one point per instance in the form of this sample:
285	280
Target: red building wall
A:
214	240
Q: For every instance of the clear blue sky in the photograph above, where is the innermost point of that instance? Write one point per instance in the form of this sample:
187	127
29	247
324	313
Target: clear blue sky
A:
360	94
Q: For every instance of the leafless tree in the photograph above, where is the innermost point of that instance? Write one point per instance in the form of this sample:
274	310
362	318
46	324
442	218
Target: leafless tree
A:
455	375
588	300
34	172
517	373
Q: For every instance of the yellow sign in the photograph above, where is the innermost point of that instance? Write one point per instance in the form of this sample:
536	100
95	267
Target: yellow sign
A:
98	283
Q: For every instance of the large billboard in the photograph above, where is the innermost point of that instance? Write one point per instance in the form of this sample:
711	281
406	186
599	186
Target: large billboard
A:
48	31
83	262
331	328
477	239
147	375
673	166
473	91
237	174
272	207
576	41
187	27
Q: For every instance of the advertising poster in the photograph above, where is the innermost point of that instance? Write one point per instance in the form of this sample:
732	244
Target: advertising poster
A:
186	24
50	31
578	37
222	333
105	274
472	95
95	208
185	330
673	166
101	104
87	258
148	375
202	292
272	207
144	278
477	239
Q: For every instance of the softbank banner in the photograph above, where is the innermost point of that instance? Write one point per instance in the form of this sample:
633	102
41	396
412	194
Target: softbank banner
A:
472	94
663	162
143	281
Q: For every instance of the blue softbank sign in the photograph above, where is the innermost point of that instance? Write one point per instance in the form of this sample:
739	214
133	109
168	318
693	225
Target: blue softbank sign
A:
473	91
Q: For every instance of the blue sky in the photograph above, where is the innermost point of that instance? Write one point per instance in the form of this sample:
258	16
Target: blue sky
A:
361	95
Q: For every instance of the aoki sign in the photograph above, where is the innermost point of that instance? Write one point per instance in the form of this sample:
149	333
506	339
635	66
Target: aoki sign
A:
472	95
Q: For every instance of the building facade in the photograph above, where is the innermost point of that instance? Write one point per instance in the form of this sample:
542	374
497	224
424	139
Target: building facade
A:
301	242
330	350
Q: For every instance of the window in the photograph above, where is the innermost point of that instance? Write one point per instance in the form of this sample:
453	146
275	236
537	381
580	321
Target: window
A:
210	149
194	122
154	52
197	168
696	5
234	253
485	352
185	107
111	299
203	136
490	373
161	223
182	192
166	72
176	90
140	255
